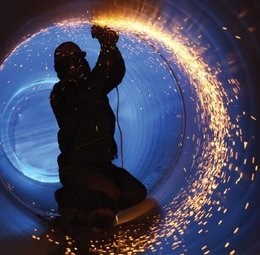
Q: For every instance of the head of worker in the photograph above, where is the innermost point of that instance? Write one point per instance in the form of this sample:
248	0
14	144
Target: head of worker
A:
70	62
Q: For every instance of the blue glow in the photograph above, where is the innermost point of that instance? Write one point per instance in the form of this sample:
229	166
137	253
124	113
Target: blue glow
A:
162	142
28	126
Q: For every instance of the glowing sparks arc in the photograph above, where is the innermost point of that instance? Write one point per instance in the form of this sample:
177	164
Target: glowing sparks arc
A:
214	125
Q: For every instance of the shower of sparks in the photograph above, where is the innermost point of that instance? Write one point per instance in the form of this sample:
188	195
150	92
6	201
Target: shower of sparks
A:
215	121
216	126
196	202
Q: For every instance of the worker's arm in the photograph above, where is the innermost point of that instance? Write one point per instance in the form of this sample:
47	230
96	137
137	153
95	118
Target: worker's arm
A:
110	67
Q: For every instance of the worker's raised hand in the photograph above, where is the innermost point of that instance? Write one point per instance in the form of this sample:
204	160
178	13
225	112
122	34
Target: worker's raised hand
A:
105	35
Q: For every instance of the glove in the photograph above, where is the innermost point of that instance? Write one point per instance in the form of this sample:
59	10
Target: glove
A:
105	35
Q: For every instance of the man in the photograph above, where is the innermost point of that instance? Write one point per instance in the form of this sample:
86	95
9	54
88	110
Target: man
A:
93	188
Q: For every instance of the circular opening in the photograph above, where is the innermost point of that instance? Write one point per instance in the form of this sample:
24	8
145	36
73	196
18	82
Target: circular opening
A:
149	102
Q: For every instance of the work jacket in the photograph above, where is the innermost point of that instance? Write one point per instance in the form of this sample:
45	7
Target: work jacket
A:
84	116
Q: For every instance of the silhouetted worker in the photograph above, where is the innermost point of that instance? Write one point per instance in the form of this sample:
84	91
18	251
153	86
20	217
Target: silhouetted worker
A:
93	189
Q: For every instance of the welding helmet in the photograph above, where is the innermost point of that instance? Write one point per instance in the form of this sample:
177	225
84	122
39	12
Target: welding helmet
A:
69	61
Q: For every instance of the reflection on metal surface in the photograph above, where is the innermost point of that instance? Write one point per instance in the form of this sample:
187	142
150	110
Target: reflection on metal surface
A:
189	126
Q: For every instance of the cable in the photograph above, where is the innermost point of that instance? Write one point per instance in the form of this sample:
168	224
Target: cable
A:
119	128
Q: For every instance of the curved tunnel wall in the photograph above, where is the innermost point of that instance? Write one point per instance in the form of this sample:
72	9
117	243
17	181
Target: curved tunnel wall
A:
168	148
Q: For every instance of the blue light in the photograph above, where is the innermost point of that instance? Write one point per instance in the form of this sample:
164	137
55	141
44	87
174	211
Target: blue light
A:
162	139
28	127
